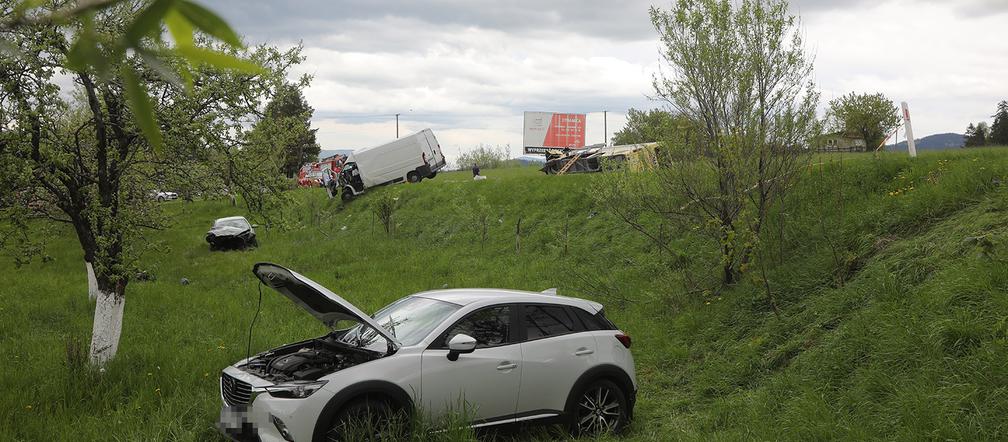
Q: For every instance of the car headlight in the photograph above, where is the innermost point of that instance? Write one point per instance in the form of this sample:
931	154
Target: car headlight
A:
295	390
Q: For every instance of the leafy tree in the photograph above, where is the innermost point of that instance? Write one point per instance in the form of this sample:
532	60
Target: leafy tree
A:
969	136
738	74
999	130
289	110
870	116
92	48
486	157
90	160
977	136
647	127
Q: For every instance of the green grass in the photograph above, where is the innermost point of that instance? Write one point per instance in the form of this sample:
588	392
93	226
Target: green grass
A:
892	324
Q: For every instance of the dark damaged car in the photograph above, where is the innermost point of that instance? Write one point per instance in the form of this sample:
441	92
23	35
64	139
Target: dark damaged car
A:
233	232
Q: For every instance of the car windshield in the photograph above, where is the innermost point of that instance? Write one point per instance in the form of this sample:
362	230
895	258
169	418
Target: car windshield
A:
239	223
409	320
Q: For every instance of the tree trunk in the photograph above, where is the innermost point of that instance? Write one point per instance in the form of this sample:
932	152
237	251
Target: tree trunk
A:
728	273
92	282
107	325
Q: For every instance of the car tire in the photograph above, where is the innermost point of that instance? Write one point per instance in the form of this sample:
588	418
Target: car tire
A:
254	242
368	419
160	199
600	407
346	195
413	177
432	175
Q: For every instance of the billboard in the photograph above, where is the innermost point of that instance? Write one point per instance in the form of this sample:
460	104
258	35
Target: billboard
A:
548	132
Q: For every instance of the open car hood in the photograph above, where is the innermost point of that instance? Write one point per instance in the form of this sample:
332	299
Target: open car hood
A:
322	303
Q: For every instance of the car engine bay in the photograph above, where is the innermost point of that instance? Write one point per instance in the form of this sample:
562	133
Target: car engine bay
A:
308	360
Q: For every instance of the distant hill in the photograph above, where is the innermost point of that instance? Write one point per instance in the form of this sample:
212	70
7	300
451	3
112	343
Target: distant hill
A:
529	160
933	142
331	152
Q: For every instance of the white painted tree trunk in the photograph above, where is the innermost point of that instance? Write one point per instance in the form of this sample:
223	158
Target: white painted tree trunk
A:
107	327
92	282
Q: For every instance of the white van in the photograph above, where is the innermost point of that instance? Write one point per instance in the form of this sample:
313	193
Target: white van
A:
411	158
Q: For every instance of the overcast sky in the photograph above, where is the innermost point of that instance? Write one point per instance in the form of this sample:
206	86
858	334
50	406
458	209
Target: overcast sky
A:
468	69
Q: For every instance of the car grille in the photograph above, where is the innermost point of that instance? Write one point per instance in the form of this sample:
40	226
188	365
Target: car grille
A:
234	391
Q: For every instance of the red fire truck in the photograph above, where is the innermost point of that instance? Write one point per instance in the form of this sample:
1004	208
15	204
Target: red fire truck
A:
310	174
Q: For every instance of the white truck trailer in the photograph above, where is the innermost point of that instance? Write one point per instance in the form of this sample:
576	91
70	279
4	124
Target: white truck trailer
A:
411	158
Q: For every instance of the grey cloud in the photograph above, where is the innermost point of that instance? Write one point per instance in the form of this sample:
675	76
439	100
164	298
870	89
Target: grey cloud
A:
980	8
964	8
311	19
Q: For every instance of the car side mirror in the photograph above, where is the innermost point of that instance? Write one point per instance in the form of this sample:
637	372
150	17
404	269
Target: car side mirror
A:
255	226
460	344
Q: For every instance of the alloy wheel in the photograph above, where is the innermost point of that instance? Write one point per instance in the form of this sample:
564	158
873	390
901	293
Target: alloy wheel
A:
599	410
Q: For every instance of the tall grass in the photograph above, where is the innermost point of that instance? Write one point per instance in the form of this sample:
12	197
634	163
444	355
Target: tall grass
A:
890	276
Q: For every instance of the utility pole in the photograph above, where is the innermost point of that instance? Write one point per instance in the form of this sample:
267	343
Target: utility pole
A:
397	126
605	128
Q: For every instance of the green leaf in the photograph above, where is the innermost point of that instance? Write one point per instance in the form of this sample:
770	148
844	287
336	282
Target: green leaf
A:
26	5
83	53
8	48
143	110
179	28
187	78
208	22
218	59
149	21
163	69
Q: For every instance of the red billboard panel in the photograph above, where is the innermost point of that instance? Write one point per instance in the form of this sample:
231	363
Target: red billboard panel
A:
548	131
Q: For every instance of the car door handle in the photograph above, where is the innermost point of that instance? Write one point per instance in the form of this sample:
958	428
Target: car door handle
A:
583	351
506	365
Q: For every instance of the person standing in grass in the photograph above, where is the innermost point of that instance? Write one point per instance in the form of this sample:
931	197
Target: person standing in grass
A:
475	170
326	181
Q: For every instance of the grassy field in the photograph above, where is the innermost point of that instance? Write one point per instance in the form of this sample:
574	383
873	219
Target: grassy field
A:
890	275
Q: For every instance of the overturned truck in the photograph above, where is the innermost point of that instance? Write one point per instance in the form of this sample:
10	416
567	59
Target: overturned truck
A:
594	159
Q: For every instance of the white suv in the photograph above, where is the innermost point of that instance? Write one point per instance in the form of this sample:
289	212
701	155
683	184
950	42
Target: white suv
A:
492	356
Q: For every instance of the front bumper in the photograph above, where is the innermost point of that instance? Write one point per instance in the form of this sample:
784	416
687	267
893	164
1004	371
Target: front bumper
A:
229	242
254	421
235	425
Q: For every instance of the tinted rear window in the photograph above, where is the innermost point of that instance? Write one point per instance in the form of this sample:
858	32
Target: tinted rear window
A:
597	321
589	321
547	320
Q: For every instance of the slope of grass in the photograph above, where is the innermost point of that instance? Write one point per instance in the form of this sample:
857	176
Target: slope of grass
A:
890	277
